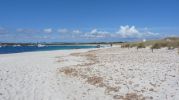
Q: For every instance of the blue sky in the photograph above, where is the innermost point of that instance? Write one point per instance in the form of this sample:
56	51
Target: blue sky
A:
87	20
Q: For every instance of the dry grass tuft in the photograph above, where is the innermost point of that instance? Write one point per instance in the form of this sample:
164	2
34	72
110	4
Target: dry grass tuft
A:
69	71
133	96
75	54
110	89
81	72
94	80
118	97
90	56
125	45
129	96
61	60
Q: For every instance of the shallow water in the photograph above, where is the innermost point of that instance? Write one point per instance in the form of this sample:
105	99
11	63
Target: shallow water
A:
18	49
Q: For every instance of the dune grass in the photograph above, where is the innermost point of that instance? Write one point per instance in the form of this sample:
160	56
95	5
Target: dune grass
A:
170	43
140	45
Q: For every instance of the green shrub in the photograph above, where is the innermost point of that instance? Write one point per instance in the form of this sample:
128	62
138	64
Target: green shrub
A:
156	46
132	45
140	45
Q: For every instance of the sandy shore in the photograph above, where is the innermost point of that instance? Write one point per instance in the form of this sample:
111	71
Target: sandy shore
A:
90	74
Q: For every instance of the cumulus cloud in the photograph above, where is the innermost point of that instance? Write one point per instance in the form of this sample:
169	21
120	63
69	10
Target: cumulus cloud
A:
48	30
63	30
128	30
123	32
133	32
95	33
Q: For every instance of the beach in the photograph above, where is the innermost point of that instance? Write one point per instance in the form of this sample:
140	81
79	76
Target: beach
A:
90	74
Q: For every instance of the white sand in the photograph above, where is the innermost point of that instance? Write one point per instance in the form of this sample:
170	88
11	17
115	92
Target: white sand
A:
35	75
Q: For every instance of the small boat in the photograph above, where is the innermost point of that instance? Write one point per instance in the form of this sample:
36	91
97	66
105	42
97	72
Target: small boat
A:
16	45
98	46
40	45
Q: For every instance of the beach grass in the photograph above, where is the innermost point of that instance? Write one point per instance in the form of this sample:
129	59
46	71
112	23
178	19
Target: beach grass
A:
170	43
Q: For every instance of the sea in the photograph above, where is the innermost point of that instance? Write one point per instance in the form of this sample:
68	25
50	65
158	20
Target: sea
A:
19	49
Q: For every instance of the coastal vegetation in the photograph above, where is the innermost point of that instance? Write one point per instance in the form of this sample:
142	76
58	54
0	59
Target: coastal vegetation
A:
140	45
170	43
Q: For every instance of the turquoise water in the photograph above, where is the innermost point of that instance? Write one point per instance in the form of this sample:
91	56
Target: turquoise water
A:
18	49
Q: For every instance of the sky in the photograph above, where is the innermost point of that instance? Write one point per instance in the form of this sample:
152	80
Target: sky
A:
87	20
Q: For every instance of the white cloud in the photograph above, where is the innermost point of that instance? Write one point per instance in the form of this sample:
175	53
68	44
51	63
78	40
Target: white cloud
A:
48	30
94	33
77	31
64	30
132	32
126	31
123	32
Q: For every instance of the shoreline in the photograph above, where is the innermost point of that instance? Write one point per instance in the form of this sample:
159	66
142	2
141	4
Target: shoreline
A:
64	50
